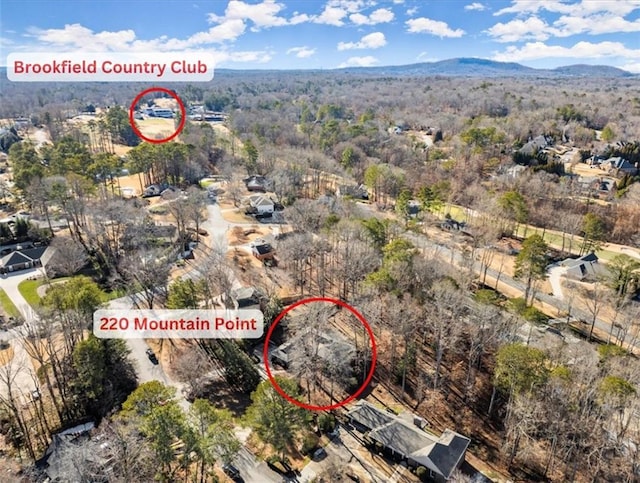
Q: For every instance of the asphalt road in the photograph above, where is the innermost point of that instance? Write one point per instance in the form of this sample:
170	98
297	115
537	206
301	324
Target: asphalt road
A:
456	258
250	467
23	375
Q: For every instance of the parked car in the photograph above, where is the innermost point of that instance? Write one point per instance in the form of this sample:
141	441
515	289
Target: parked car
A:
152	356
319	454
231	471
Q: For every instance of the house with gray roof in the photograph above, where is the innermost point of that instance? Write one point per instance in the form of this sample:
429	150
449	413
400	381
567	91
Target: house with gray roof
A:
441	456
261	205
25	259
619	166
536	144
581	268
330	345
75	456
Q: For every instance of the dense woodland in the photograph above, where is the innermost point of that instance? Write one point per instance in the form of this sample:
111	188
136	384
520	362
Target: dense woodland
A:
340	122
558	413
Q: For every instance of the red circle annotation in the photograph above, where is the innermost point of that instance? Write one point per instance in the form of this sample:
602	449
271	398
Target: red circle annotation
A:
374	354
132	108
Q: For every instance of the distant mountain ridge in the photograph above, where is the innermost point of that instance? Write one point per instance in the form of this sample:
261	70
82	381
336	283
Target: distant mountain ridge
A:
476	67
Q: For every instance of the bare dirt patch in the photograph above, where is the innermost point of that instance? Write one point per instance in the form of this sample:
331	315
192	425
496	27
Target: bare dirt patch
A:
131	182
252	272
237	216
587	171
121	149
166	103
241	235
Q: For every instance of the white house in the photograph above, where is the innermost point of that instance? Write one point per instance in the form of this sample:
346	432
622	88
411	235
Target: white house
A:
262	205
583	267
162	112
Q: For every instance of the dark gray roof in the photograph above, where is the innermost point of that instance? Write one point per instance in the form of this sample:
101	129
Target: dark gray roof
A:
536	144
246	296
591	257
441	455
263	248
619	163
23	256
330	344
574	262
402	438
72	455
446	453
369	416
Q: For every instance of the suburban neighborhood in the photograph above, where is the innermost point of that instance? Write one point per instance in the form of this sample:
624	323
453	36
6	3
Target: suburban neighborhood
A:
421	271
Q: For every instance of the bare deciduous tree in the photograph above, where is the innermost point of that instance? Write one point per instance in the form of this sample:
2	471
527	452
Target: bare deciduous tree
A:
68	257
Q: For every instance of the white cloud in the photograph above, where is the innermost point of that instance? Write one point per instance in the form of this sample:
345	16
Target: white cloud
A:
259	56
374	40
412	11
299	18
302	52
350	6
366	61
335	11
263	14
516	30
582	8
533	28
331	16
359	19
475	6
581	50
434	27
631	67
522	6
228	30
76	37
596	24
6	43
382	15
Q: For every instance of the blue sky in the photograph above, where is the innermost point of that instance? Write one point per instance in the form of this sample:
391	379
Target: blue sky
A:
282	34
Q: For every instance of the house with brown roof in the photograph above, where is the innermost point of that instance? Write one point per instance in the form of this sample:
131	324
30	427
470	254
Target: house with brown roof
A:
262	250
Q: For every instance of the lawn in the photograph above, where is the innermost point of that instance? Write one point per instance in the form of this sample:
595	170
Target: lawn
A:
114	294
552	237
29	290
555	239
8	306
